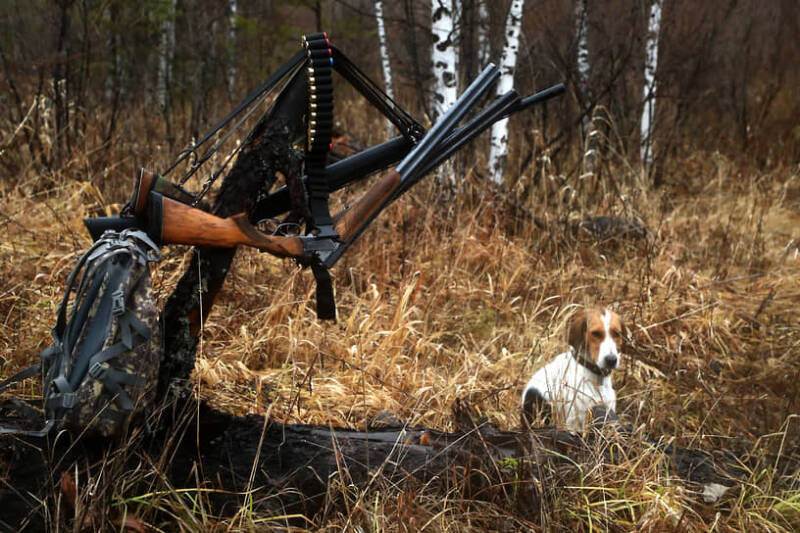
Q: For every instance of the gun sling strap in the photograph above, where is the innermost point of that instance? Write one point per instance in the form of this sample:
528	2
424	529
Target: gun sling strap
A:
319	120
322	59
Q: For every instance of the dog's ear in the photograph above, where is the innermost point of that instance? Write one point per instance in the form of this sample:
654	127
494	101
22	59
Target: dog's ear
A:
576	333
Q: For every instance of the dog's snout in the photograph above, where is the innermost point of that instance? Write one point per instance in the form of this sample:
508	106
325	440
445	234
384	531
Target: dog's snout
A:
611	361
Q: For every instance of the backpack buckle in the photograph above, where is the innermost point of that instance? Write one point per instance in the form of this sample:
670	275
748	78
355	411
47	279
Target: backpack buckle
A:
69	400
59	401
97	371
118	302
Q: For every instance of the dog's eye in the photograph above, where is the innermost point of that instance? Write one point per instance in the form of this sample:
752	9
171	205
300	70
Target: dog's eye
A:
597	335
615	333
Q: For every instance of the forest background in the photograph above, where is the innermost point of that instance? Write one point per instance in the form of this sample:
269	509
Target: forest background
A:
464	295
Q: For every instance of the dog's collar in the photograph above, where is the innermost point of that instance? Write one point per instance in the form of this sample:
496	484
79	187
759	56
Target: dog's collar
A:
584	360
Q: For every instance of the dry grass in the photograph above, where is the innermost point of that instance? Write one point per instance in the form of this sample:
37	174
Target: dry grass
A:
463	299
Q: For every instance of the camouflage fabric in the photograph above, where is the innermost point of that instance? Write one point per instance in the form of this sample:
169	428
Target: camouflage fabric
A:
104	364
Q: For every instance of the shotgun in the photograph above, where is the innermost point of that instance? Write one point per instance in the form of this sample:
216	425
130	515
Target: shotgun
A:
358	166
173	222
169	220
340	174
160	207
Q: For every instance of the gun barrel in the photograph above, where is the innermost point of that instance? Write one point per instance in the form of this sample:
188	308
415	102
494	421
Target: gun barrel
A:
448	121
420	156
541	96
477	125
340	174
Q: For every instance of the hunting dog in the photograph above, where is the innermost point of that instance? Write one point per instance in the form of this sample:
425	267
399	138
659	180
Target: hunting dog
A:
576	380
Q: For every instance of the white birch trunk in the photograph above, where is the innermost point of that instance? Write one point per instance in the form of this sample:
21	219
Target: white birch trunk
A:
650	90
582	56
443	56
589	126
508	62
232	10
166	57
484	49
385	64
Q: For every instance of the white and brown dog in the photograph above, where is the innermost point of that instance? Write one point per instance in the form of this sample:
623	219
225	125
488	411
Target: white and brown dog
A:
579	379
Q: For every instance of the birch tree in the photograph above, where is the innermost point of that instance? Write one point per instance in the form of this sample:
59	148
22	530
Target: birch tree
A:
582	57
385	64
650	89
508	62
589	120
444	56
232	10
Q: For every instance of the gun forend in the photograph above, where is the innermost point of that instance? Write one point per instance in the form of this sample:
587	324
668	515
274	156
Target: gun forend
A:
350	220
181	224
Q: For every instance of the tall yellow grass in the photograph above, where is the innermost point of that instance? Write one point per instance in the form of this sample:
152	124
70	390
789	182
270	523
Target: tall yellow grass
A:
463	296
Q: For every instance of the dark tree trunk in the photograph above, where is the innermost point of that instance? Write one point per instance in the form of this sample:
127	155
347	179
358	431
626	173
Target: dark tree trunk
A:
293	468
61	83
413	51
468	53
267	150
318	15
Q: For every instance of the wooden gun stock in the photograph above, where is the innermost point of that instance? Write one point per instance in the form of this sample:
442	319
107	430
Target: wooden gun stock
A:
181	224
350	220
178	223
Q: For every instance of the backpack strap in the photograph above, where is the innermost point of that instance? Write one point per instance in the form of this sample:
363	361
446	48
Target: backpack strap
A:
48	427
97	330
21	407
22	375
61	319
113	380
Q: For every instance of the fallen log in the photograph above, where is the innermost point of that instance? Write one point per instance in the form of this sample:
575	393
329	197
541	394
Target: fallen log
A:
236	461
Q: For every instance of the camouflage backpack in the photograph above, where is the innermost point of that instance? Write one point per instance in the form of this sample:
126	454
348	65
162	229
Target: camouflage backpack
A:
103	364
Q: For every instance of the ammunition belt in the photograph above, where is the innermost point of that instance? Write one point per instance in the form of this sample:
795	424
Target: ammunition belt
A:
320	126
